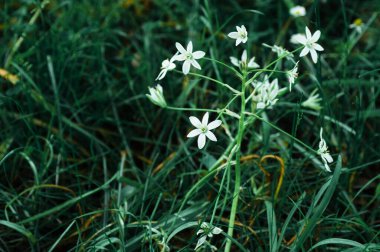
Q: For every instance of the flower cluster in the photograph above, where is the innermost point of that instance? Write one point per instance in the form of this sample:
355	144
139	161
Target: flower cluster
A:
265	93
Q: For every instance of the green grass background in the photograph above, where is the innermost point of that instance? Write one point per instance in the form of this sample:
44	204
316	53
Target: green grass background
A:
87	163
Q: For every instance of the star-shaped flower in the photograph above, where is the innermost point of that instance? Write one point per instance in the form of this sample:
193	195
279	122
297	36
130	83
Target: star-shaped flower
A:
166	65
241	35
243	62
206	230
188	56
310	43
203	129
324	152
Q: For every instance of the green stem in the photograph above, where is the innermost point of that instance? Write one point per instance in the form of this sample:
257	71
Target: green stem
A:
225	65
235	200
212	79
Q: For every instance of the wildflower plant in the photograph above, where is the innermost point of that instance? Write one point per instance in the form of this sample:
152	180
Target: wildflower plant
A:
261	88
189	126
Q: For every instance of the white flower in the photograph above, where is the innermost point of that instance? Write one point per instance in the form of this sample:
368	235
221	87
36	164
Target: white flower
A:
241	35
324	152
243	62
292	75
313	101
156	96
166	65
296	37
297	11
357	25
280	51
203	129
310	43
188	56
266	93
206	230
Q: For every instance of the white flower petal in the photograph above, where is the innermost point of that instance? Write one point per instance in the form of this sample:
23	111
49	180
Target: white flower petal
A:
298	39
180	57
211	136
244	56
205	119
180	48
201	141
328	158
189	48
314	55
195	122
327	167
315	36
308	33
233	35
198	54
171	66
194	133
234	61
200	242
252	63
161	75
195	64
304	51
186	67
214	124
318	47
165	63
260	105
238	41
217	230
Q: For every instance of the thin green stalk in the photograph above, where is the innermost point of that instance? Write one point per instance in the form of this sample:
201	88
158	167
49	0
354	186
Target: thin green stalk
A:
235	201
225	65
213	80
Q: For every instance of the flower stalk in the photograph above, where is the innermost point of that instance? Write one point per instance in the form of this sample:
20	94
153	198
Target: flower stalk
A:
235	200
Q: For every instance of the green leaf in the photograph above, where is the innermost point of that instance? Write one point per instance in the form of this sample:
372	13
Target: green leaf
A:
316	210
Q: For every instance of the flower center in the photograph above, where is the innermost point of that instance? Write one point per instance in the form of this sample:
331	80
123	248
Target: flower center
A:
189	56
309	45
204	129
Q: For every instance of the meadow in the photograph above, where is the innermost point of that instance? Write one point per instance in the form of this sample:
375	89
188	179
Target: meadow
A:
200	125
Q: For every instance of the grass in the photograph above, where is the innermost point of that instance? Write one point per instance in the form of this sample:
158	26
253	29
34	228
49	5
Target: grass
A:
89	164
